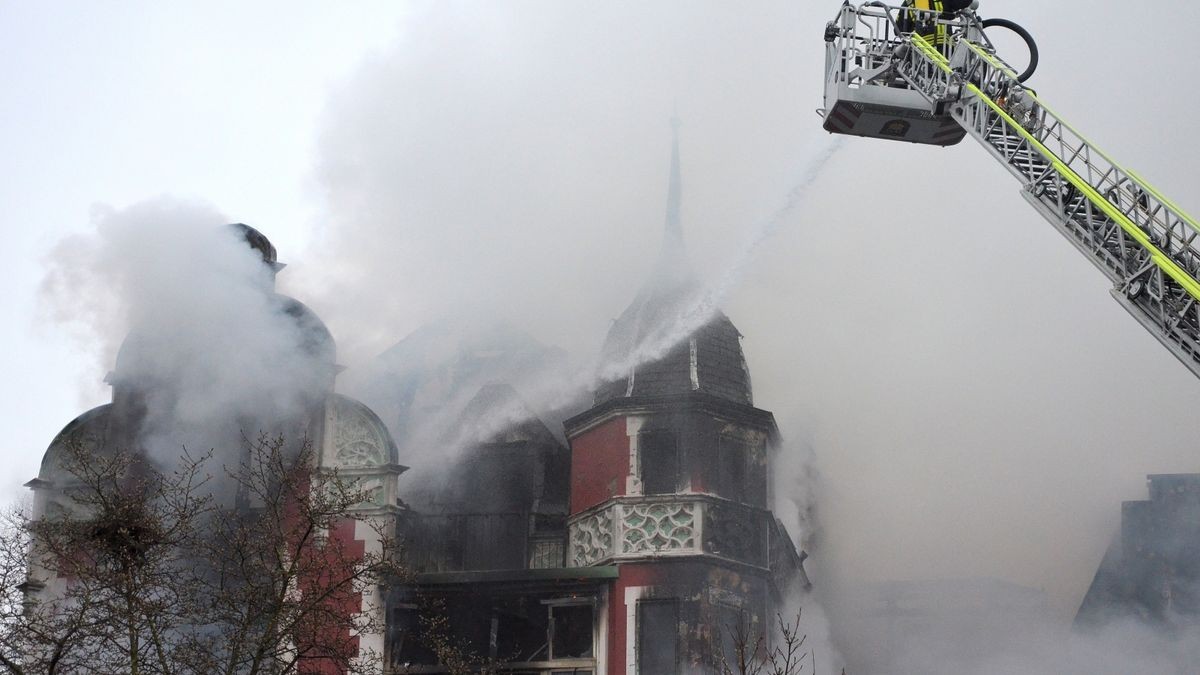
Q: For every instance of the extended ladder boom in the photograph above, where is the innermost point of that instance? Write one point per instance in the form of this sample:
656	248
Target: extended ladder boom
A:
1146	244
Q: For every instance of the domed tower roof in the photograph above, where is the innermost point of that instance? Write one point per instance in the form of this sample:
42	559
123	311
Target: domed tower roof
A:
315	339
146	357
315	342
259	242
86	434
664	343
360	438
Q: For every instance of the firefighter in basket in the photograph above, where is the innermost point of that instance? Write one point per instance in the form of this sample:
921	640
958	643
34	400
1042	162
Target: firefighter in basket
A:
921	17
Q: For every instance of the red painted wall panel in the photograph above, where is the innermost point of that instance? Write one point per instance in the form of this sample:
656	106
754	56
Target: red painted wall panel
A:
599	464
631	576
343	549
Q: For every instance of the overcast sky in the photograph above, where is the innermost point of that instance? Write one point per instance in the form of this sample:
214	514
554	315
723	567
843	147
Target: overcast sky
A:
115	103
978	404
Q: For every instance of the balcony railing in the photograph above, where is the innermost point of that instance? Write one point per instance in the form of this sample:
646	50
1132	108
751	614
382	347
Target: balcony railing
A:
627	528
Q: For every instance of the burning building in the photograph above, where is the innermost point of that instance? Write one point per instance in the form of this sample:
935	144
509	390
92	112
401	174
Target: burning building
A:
156	410
633	543
628	531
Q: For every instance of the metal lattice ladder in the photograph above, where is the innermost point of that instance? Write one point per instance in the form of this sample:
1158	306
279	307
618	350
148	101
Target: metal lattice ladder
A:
1146	244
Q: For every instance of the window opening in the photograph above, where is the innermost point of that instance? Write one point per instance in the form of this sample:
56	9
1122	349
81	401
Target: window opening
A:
659	454
658	637
571	631
731	465
522	632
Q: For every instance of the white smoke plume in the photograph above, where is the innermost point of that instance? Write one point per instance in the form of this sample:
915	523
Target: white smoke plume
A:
185	314
954	366
696	309
441	430
987	627
978	405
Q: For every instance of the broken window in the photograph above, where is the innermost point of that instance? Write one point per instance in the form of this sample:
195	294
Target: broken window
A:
408	645
659	454
731	467
467	625
735	632
571	630
658	637
521	631
511	629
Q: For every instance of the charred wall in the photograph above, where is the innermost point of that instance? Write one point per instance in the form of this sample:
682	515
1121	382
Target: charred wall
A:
1151	572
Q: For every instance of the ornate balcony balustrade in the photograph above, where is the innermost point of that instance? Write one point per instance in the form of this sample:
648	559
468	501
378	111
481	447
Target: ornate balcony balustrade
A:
626	528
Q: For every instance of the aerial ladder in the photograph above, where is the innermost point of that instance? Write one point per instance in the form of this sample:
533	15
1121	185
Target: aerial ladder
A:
900	73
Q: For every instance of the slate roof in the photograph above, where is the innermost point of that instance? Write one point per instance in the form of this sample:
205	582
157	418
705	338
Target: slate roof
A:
669	341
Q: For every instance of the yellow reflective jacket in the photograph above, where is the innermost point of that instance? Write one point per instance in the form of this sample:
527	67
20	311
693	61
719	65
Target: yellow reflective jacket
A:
924	22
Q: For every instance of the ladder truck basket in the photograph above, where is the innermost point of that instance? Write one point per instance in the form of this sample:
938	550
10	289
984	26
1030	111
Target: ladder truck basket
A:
925	77
865	92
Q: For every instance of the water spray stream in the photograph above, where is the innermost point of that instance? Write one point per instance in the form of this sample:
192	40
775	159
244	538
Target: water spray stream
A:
693	312
697	310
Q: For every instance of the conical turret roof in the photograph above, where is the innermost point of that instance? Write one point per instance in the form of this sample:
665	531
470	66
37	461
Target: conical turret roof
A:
663	344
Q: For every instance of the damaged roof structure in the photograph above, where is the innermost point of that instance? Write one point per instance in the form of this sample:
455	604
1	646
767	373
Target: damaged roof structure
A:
146	421
625	532
633	543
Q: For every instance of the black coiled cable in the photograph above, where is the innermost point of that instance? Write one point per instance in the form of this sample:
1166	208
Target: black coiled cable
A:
1024	34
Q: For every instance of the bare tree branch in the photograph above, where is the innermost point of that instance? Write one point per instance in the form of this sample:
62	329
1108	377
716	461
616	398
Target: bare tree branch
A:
145	569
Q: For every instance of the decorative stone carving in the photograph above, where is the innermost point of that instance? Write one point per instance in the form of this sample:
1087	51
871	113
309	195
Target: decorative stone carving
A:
372	489
658	527
357	438
592	538
628	528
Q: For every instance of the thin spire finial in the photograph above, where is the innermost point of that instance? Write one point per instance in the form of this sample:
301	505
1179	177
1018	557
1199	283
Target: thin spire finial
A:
674	229
673	269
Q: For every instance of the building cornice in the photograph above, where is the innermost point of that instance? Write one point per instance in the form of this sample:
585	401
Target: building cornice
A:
697	401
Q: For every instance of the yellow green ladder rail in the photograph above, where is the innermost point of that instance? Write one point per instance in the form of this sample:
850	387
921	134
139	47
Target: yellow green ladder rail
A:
1144	242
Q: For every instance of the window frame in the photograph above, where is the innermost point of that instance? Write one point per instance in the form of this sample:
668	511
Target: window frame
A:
726	444
638	637
675	454
555	603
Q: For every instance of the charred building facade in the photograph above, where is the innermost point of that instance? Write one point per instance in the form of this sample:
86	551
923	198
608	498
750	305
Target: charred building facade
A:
632	542
1151	571
625	532
143	422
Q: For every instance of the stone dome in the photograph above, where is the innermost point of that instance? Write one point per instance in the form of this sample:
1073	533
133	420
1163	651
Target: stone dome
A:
315	341
89	431
360	439
259	242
